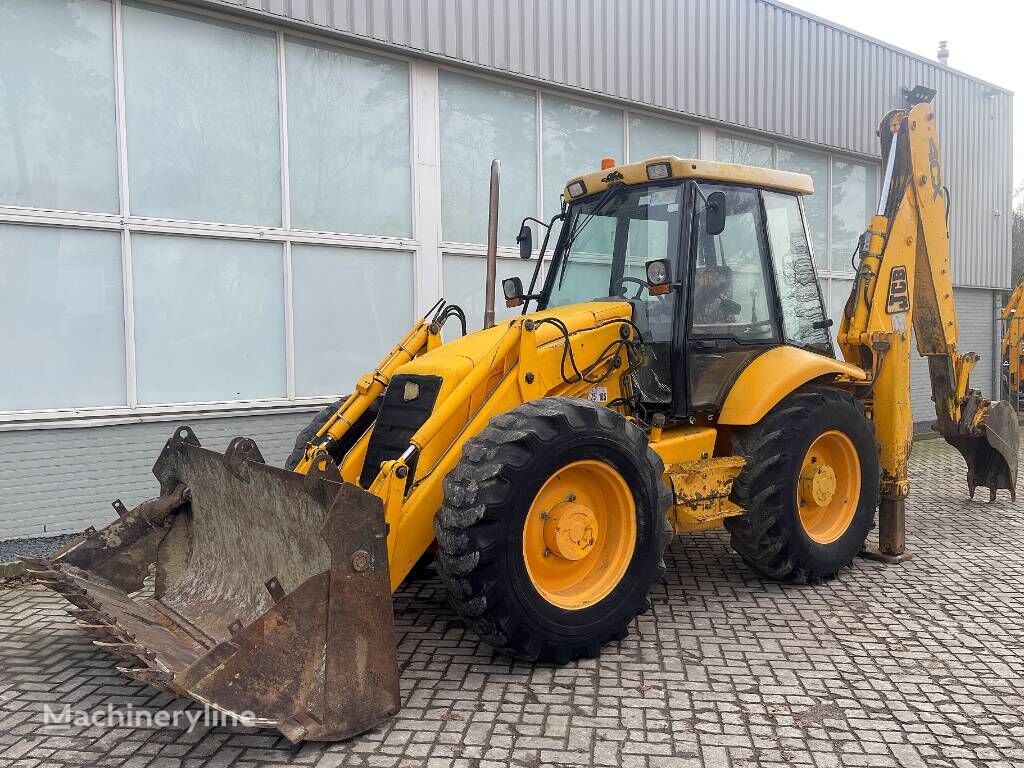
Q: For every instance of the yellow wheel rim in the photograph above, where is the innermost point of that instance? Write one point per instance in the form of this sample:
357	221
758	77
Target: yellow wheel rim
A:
579	535
828	490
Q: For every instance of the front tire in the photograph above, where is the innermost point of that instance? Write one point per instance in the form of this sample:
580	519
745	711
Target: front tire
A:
553	529
809	489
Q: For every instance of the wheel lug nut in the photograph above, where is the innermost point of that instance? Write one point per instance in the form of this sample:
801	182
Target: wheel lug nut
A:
547	552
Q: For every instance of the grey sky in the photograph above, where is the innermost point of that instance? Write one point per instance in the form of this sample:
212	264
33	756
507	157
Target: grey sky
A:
985	40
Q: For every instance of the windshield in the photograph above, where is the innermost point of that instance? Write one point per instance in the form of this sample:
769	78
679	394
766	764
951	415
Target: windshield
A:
610	239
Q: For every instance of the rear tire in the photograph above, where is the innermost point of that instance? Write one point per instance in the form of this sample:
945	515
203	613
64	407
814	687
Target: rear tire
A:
786	534
491	509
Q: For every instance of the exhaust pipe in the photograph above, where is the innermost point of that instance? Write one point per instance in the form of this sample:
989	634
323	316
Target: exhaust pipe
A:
492	244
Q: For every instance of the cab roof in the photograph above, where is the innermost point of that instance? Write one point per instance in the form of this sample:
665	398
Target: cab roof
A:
682	168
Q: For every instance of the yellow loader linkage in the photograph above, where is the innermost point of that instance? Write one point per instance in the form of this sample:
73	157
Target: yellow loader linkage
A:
677	375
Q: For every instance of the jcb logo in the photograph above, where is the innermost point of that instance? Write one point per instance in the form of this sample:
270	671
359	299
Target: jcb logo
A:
899	291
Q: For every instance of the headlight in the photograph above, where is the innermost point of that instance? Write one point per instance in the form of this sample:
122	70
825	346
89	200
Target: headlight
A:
577	189
657	171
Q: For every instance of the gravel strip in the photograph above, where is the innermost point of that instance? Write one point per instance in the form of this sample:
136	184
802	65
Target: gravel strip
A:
39	546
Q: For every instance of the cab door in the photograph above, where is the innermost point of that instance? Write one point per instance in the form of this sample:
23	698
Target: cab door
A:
732	310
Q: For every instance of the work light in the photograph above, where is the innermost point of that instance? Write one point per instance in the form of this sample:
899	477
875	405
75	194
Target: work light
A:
659	277
577	188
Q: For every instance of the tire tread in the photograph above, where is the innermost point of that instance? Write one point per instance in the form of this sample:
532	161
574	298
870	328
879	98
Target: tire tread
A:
476	496
760	536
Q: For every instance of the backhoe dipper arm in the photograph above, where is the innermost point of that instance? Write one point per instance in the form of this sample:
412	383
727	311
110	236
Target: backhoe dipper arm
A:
904	281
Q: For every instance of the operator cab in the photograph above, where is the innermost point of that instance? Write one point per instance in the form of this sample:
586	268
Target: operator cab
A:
714	259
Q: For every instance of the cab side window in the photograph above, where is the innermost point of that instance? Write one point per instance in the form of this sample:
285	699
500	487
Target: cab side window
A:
803	317
731	298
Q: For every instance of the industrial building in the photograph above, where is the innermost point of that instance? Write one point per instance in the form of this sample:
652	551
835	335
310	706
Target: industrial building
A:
221	213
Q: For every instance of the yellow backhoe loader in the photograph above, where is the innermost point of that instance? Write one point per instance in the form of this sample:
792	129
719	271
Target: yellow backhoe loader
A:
1012	348
676	374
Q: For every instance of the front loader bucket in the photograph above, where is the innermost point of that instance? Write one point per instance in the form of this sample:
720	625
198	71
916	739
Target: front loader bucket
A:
989	440
261	593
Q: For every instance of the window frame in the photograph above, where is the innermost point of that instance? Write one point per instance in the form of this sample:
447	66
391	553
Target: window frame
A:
829	279
767	265
550	273
829	349
480	249
129	225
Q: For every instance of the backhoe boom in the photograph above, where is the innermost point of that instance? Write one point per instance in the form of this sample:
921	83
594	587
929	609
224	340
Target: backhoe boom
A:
903	282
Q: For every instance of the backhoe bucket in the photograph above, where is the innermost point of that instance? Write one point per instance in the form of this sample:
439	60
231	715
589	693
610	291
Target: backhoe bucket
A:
989	440
261	593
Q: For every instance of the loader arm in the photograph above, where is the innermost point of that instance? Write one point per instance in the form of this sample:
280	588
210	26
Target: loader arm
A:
903	281
422	337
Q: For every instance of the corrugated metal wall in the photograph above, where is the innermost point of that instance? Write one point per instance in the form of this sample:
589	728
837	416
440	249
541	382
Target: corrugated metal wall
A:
63	480
749	63
976	321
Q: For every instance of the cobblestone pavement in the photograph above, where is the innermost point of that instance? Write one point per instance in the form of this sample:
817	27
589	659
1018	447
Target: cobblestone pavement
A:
916	665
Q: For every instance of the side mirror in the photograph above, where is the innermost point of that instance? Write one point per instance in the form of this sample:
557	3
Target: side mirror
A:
659	277
714	213
525	240
512	287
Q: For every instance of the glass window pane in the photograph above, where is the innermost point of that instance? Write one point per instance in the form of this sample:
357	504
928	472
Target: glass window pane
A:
201	108
730	286
62	311
854	197
464	278
608	251
802	313
729	149
652	136
586	274
839	294
576	137
606	255
58	146
480	121
209	319
378	301
348	141
816	206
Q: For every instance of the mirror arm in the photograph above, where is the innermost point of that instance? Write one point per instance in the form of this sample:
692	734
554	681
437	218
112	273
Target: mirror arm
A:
540	260
538	221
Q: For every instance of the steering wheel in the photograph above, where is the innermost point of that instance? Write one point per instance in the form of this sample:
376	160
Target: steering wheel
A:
641	283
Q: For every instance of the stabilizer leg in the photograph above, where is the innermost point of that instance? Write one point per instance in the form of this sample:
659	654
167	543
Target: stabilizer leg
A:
892	533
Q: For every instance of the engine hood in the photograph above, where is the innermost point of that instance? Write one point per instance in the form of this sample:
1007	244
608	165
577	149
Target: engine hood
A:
458	357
